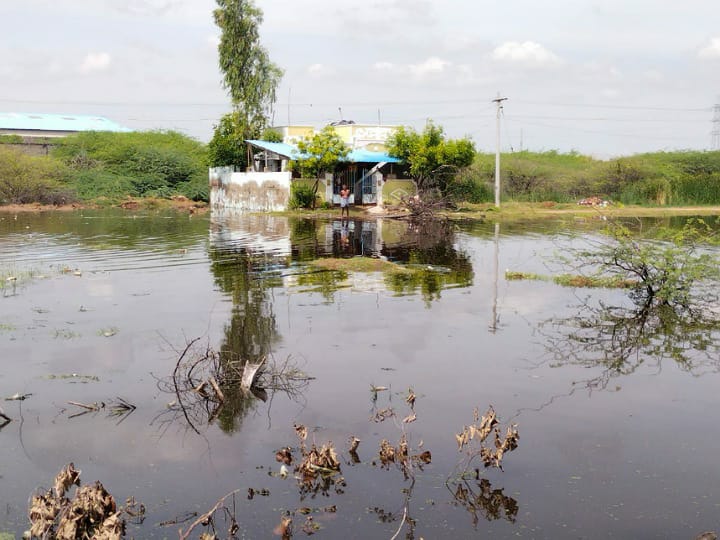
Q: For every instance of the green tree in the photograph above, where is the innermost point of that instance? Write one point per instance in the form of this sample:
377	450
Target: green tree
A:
432	160
249	76
227	146
320	154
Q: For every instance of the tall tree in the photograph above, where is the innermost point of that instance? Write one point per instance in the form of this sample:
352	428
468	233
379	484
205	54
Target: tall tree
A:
249	76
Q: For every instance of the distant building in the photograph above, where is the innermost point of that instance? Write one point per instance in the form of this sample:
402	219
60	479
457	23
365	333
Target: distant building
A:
34	132
373	176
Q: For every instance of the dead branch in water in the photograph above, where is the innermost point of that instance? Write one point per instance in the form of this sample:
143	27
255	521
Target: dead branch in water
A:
207	518
206	382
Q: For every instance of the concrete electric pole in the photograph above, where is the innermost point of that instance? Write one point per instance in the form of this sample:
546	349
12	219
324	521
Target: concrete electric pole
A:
498	101
715	133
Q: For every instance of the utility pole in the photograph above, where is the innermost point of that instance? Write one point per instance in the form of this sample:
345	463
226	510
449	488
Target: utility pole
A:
498	101
715	142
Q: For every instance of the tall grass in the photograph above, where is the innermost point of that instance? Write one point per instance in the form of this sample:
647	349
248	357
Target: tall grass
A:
661	178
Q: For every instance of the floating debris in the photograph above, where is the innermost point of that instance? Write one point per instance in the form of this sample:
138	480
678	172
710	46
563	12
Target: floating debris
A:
18	397
91	513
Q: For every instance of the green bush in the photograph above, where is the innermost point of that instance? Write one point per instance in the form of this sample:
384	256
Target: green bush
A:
98	183
159	164
302	196
28	179
465	188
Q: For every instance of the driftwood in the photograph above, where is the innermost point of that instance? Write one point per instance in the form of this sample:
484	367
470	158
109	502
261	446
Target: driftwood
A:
206	517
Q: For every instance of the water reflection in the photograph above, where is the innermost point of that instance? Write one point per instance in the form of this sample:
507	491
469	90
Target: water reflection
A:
619	339
482	501
285	248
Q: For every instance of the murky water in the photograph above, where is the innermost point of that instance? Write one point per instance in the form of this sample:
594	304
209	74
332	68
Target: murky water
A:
105	303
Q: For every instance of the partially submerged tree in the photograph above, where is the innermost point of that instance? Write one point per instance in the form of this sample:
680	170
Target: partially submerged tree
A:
675	270
432	160
249	76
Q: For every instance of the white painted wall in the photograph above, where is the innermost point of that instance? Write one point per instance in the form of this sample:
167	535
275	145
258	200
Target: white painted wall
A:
250	191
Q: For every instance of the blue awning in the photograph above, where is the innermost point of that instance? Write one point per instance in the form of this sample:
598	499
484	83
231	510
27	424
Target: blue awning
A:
291	152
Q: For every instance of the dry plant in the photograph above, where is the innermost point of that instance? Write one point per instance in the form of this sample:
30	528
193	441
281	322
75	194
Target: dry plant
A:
204	382
318	469
210	518
479	431
118	408
401	456
91	513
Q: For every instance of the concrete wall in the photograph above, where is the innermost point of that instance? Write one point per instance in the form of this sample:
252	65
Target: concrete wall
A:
250	191
394	190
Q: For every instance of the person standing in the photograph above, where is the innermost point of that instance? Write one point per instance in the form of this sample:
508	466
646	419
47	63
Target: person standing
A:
344	201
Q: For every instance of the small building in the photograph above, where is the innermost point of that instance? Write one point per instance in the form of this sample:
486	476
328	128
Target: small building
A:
34	133
373	176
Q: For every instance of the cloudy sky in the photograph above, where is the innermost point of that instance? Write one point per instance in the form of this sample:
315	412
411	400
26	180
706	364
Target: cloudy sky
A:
603	77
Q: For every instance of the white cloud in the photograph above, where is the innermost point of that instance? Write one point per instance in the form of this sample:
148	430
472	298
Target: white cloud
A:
430	66
383	66
95	62
527	52
711	50
316	68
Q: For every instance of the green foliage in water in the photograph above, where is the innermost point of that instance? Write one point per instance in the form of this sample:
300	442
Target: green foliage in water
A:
154	163
30	179
676	270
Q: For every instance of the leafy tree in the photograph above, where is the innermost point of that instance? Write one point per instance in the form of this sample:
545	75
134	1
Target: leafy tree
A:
270	135
249	76
432	160
321	154
227	146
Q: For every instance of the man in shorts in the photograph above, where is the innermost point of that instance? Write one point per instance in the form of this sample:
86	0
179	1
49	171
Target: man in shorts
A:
345	201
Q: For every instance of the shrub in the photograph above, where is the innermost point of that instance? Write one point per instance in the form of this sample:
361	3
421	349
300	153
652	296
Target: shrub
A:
466	188
27	179
157	163
302	196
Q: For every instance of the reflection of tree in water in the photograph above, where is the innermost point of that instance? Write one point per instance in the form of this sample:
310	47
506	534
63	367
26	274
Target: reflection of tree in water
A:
225	384
251	332
482	501
618	340
428	247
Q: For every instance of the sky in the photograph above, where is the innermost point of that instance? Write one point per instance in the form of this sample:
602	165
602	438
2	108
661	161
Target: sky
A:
601	77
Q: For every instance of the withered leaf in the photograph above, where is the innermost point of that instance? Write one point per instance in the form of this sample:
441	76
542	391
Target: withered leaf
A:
301	432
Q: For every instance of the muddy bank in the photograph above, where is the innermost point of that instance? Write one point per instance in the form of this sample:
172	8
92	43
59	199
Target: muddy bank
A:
177	203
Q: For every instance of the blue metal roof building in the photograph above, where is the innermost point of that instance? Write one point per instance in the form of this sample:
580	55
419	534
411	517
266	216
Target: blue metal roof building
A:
355	156
54	125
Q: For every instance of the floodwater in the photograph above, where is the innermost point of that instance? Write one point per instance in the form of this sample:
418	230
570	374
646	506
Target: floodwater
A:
618	434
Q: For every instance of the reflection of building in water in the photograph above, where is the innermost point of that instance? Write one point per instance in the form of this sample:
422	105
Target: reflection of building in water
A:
285	247
353	237
255	233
